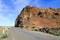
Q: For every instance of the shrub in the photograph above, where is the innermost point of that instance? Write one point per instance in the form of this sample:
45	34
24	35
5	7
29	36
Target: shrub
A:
3	36
53	31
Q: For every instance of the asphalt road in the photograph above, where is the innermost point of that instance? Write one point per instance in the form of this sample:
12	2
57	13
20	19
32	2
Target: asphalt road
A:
20	34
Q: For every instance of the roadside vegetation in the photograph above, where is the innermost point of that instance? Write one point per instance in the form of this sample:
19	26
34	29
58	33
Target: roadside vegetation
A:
4	33
3	36
53	31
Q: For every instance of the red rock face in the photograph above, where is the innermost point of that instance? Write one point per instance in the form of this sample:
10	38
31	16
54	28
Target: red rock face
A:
38	18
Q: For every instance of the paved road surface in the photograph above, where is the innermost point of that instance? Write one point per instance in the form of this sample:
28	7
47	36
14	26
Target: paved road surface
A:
20	34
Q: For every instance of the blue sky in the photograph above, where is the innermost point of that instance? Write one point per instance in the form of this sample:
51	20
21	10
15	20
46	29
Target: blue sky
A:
9	9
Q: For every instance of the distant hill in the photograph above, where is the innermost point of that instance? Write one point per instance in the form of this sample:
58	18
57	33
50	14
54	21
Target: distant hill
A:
33	17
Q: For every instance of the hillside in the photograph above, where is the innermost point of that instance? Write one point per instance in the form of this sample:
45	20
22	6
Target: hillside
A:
33	17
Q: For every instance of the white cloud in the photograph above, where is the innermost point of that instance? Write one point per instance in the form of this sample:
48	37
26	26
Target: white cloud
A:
4	21
10	15
7	16
4	10
19	4
3	18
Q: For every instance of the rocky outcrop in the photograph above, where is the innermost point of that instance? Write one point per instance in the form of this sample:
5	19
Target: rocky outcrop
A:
33	17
